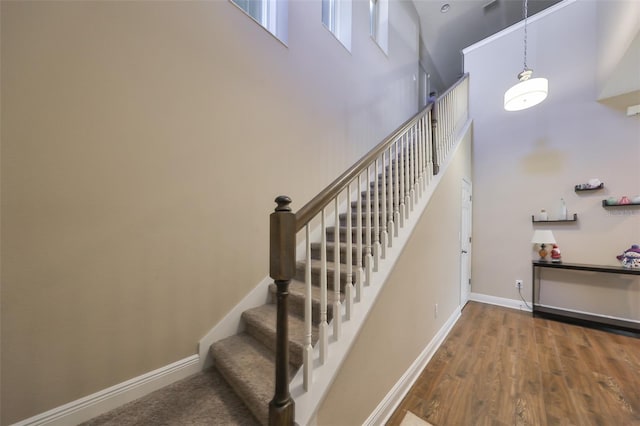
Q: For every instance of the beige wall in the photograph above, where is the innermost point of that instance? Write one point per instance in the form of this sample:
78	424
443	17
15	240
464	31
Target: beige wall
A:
402	322
526	161
143	144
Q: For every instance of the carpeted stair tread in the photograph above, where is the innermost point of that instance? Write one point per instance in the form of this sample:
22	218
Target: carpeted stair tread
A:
331	231
204	398
363	203
249	368
297	297
260	323
316	247
354	218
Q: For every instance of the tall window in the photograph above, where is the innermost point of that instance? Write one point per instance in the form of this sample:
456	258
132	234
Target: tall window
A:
336	16
379	23
271	14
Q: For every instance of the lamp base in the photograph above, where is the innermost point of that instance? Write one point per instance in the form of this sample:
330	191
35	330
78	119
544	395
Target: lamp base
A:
543	253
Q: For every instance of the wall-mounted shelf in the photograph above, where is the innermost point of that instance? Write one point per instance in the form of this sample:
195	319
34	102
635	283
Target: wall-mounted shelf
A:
574	219
579	188
605	204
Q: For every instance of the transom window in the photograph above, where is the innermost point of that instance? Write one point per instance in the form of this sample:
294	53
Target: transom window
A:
379	23
271	14
336	16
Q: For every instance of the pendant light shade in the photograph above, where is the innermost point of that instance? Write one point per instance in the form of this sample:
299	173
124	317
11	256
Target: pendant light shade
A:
527	93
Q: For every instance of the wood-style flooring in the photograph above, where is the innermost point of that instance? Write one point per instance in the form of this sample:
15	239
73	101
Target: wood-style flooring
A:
499	366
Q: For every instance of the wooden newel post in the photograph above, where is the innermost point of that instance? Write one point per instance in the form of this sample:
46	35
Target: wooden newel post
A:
282	268
434	138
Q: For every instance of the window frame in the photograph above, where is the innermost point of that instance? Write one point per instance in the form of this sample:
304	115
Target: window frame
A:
273	16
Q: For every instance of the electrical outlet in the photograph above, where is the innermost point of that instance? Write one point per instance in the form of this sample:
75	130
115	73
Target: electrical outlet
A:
435	310
518	284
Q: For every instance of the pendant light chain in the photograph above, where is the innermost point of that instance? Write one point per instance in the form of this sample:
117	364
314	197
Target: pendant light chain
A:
524	6
528	91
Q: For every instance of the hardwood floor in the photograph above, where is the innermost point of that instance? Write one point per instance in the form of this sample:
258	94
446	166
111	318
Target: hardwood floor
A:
499	366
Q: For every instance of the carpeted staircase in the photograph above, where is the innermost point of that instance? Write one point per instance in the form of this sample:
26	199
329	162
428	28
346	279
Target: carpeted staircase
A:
241	383
238	388
247	360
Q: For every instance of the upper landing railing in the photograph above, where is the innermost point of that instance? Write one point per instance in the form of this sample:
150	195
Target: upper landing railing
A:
370	203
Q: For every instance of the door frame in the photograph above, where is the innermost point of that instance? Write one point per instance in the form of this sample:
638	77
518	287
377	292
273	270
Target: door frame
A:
466	225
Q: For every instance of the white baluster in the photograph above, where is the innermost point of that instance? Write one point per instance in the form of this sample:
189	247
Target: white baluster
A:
324	326
442	120
445	127
337	306
429	149
407	181
307	361
418	158
368	260
376	215
449	121
440	128
390	225
383	213
396	192
412	168
402	157
421	151
348	292
359	251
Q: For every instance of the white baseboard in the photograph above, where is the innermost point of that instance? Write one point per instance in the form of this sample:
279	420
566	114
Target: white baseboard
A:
86	408
388	405
500	301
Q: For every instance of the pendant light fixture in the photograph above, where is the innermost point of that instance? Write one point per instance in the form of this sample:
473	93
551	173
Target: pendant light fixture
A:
528	91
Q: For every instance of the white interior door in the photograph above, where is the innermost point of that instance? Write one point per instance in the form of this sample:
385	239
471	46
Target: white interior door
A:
465	243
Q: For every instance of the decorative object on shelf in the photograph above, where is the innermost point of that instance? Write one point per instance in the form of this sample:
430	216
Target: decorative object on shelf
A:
543	237
563	210
611	201
622	202
631	257
591	185
543	215
555	254
528	91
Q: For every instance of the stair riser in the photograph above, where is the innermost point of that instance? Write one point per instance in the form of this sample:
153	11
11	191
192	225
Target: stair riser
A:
296	306
395	204
316	273
260	413
343	235
354	219
268	338
315	254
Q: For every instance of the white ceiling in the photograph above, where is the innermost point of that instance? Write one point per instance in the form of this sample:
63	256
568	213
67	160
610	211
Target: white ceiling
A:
468	21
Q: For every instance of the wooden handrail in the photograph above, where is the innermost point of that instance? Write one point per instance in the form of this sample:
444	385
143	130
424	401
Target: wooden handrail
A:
462	78
317	203
313	207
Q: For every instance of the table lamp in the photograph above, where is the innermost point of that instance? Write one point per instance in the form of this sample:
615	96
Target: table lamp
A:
543	237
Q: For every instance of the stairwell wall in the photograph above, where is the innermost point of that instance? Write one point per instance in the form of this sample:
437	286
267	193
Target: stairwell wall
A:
528	160
403	322
143	144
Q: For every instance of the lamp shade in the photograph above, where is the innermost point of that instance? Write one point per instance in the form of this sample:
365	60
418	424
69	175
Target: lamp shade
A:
543	236
526	94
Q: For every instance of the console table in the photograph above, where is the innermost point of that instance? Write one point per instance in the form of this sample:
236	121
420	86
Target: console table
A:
580	318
